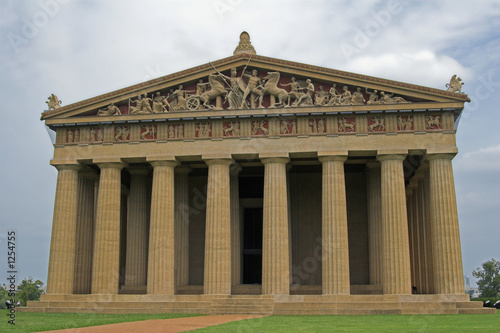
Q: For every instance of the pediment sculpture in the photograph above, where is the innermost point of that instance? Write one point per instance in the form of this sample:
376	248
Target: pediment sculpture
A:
249	90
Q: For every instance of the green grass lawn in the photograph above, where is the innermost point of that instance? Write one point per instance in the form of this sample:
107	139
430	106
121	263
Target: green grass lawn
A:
35	322
373	323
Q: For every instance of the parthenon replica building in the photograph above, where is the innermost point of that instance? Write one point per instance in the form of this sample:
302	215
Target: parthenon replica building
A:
257	185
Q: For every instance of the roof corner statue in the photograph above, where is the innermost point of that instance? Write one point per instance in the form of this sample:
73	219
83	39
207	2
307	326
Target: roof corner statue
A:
245	46
308	190
53	102
455	84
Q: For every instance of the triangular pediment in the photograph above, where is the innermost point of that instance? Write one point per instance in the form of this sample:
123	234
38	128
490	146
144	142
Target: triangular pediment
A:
210	87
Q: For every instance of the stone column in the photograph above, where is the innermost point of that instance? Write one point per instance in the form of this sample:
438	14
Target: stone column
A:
161	263
182	225
275	252
396	276
235	227
62	245
217	277
374	223
335	250
446	251
426	234
106	264
85	232
137	228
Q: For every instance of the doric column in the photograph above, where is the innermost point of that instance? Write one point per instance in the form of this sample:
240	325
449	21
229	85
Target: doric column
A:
396	276
161	260
446	251
138	207
374	223
425	230
413	235
85	232
62	245
106	263
335	250
275	252
235	227
182	225
217	277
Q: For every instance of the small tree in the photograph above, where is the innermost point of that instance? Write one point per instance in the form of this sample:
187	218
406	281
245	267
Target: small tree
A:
29	290
488	278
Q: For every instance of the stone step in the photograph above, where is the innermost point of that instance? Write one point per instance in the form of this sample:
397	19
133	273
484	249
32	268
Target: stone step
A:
477	311
469	305
444	305
428	310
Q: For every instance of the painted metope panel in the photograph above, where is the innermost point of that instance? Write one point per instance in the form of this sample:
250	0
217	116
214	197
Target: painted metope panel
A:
149	132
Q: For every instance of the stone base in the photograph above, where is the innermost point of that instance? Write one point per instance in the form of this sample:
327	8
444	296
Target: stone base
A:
260	304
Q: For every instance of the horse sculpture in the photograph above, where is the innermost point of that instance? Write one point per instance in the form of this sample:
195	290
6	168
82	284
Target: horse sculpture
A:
217	89
271	88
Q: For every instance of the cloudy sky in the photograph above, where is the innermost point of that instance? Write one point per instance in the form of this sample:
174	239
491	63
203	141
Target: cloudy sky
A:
79	49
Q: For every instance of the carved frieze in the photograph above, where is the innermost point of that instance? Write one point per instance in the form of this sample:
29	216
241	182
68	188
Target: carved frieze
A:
73	135
260	127
176	131
433	122
317	126
376	124
149	132
122	133
96	134
203	130
347	124
288	126
405	123
231	128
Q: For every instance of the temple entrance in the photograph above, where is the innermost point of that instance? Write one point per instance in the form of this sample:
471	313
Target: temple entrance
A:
252	245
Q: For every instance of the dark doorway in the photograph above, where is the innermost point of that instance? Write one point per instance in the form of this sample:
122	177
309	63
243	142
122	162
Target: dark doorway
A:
252	245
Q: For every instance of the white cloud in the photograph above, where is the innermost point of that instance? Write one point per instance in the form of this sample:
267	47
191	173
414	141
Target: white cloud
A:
432	70
482	160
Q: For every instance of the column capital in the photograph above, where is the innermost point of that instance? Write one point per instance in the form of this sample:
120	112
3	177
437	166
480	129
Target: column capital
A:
440	156
160	163
66	164
110	162
235	169
267	160
331	158
391	157
373	165
219	161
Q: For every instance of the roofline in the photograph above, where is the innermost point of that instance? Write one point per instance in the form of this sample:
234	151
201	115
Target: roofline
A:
456	96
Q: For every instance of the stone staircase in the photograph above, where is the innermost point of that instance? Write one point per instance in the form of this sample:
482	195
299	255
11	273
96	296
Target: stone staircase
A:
260	304
239	304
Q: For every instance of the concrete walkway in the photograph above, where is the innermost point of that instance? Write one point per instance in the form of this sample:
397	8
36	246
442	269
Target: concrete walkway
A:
161	325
